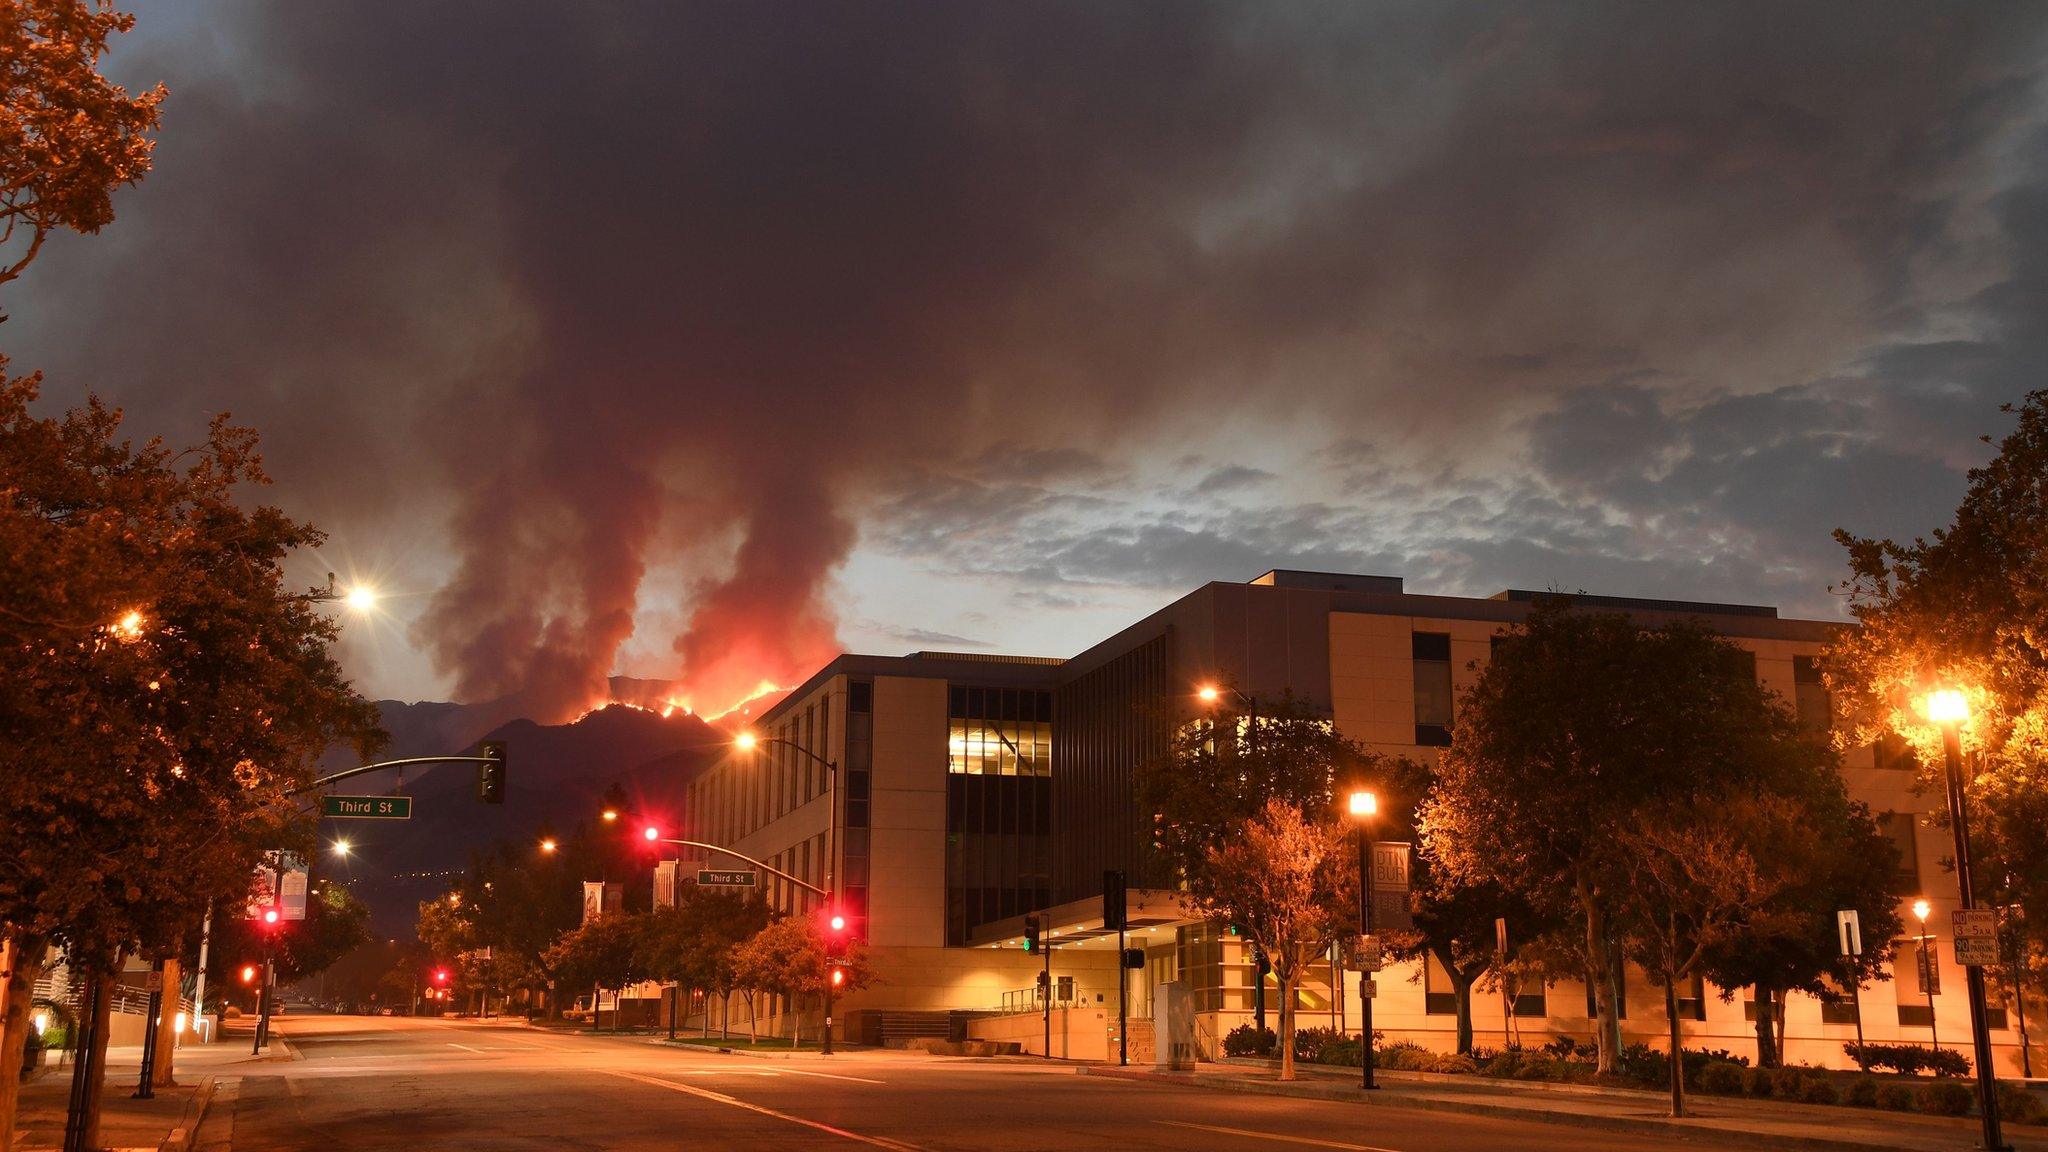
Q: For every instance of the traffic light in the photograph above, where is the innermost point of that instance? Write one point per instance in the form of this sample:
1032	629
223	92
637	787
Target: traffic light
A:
1031	933
248	973
490	776
1114	916
838	977
440	975
1159	831
837	923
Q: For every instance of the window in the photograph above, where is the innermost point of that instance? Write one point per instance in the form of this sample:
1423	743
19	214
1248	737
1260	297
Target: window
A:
1432	651
1439	995
1620	992
1892	752
999	731
1692	999
1837	1002
1901	826
1810	696
1909	981
860	697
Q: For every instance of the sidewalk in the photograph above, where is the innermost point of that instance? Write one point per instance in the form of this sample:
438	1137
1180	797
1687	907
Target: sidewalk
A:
163	1124
1765	1123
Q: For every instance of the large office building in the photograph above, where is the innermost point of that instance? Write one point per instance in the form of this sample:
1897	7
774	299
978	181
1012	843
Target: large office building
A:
976	789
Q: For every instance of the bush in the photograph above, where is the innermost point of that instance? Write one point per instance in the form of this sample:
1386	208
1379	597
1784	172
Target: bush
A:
2018	1105
1862	1092
1945	1098
1310	1042
1450	1063
1819	1090
1340	1052
1248	1040
1759	1082
1896	1097
1789	1083
1543	1066
1720	1078
1645	1065
1403	1056
1568	1048
1504	1064
1910	1059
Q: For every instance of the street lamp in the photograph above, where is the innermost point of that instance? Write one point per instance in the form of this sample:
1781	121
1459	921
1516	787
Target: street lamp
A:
1212	693
747	741
360	598
341	847
1364	805
547	844
1921	909
1950	709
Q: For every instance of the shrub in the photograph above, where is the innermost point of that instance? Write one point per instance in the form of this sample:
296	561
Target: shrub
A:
1945	1098
1758	1082
1403	1056
1895	1097
1911	1059
1248	1040
1789	1082
1310	1042
1720	1078
1503	1065
1862	1092
1543	1066
1453	1064
1645	1065
1340	1052
1568	1048
2018	1105
1819	1090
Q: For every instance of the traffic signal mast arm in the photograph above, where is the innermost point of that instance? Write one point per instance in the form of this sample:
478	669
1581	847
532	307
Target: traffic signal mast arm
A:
323	781
805	884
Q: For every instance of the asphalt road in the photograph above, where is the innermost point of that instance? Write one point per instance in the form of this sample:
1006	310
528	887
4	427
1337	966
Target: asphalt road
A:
412	1085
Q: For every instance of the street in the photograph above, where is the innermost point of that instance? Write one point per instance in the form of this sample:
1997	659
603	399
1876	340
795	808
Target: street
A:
397	1083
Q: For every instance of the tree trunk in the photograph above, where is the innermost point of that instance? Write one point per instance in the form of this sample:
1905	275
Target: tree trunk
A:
1600	973
1766	1035
724	1015
15	1023
93	1065
1461	991
1677	1050
753	1021
167	1025
1286	1037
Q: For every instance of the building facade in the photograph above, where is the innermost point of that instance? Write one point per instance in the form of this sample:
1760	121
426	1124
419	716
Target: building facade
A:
974	790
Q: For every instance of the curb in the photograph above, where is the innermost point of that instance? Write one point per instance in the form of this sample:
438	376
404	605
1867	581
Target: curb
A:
714	1049
1346	1093
181	1137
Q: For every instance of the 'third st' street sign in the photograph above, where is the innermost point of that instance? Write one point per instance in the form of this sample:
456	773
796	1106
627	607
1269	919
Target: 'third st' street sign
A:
367	807
721	878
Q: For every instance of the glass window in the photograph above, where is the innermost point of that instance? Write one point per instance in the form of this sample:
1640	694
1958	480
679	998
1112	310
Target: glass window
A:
1692	999
1439	995
1901	825
1432	652
1906	983
860	696
1815	707
1892	752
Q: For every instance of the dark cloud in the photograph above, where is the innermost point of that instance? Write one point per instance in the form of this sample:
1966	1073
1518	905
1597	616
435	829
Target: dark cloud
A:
705	296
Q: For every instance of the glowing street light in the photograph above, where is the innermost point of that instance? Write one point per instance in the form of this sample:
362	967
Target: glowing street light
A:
1208	693
1364	805
341	847
1920	910
128	626
611	815
547	844
745	741
360	598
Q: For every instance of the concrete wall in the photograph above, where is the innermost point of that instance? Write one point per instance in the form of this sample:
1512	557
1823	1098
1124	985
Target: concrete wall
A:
1077	1033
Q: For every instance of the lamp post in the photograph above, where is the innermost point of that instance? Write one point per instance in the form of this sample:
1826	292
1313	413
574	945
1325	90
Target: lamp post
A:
1949	708
1364	806
747	742
1927	973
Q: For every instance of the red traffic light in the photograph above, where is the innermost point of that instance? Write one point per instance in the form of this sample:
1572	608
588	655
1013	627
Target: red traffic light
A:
248	973
440	975
837	923
270	917
839	977
651	833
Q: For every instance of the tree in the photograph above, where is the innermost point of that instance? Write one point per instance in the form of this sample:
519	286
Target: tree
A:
1454	920
790	957
1830	856
1694	878
1967	609
600	954
1580	724
1284	880
161	692
68	137
692	943
336	923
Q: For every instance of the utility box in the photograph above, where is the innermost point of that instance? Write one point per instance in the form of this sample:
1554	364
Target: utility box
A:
1173	1027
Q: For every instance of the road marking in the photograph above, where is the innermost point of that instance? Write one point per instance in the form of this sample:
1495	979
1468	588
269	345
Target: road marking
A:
1276	1136
826	1075
722	1098
465	1047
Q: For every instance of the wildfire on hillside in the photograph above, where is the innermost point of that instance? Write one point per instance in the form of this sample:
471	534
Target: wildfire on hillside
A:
731	715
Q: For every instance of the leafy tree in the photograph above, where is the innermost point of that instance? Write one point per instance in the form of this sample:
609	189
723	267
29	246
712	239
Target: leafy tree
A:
790	957
603	953
692	943
1283	880
161	693
336	923
1967	609
1830	856
1454	919
1695	876
68	137
1580	724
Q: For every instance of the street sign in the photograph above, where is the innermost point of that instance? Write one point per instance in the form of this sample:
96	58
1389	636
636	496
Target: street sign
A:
1390	903
1369	988
1848	932
1976	936
1366	954
366	807
727	878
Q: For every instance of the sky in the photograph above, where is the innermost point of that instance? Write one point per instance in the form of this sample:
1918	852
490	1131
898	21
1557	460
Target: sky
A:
702	341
